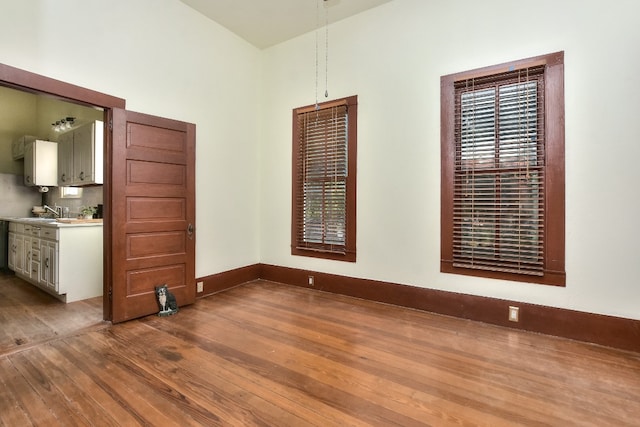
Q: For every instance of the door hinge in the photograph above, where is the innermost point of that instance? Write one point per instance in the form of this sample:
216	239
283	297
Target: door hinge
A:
110	294
110	124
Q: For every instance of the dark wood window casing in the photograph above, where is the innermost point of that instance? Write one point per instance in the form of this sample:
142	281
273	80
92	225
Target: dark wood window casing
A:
324	180
502	144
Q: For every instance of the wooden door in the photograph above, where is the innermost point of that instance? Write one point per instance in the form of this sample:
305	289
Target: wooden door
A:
150	213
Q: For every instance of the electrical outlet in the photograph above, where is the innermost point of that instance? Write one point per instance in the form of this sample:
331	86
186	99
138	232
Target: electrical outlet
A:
200	286
310	280
514	314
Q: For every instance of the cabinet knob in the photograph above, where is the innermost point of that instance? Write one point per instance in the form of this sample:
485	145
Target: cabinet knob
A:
63	177
81	176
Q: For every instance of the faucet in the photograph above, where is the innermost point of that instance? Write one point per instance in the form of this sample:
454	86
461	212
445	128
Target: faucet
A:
57	211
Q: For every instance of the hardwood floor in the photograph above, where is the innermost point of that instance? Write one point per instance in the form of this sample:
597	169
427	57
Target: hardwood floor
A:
270	354
29	316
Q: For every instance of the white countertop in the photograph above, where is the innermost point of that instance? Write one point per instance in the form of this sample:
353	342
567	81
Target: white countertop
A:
54	223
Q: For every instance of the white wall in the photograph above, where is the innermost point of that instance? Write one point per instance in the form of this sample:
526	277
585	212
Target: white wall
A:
168	60
165	59
392	57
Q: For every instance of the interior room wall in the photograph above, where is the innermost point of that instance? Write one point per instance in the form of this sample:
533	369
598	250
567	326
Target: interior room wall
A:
168	60
16	199
17	118
392	57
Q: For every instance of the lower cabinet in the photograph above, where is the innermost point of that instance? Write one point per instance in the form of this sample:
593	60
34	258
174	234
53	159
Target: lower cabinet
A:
49	265
63	261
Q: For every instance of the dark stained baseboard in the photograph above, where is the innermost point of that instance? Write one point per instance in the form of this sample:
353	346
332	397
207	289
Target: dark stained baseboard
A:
609	331
228	279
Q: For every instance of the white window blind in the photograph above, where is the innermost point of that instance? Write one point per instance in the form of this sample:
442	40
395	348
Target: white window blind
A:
499	173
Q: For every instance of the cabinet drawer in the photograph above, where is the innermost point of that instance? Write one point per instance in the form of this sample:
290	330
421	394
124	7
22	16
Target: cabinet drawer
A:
49	233
35	244
16	227
35	255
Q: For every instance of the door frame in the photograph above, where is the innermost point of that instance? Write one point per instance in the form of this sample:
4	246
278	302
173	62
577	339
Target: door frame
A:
27	81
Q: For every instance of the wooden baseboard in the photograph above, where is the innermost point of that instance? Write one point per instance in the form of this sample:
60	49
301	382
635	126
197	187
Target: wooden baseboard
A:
609	331
228	279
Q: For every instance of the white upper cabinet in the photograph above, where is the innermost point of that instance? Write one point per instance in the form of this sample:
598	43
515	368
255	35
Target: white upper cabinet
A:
65	159
80	155
41	163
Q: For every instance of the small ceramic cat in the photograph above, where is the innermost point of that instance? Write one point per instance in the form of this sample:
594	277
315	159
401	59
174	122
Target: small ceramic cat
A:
166	301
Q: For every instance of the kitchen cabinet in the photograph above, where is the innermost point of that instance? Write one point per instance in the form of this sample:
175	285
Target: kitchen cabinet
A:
80	155
65	159
24	251
49	265
17	147
41	163
64	260
15	259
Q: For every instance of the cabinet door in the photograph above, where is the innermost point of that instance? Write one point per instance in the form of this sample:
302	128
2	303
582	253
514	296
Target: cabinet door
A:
41	163
17	148
20	262
28	164
48	265
12	255
83	154
65	159
25	245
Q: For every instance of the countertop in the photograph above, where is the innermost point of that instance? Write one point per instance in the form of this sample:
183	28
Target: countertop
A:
56	223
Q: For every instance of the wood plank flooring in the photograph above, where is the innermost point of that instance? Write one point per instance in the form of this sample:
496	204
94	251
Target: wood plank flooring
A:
29	316
266	354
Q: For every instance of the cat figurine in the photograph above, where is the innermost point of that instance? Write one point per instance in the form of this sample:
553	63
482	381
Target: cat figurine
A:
166	301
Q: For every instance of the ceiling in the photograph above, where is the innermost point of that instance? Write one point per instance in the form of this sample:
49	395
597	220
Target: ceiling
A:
265	23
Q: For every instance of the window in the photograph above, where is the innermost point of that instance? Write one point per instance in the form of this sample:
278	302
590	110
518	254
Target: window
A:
324	180
502	143
70	192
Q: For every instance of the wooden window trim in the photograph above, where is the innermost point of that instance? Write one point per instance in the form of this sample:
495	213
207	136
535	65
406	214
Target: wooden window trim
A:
554	255
349	253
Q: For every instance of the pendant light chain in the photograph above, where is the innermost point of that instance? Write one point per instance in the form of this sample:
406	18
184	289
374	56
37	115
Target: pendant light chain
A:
326	51
317	25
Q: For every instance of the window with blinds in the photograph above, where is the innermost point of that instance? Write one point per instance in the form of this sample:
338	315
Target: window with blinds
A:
323	182
499	173
502	142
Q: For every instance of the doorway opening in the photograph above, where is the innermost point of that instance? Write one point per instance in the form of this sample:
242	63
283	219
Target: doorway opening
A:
60	98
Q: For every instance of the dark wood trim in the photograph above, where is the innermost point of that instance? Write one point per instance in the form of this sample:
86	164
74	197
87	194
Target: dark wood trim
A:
554	257
610	331
324	250
228	279
35	83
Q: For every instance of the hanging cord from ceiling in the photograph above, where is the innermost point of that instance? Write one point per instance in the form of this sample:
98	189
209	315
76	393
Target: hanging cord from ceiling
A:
317	25
326	49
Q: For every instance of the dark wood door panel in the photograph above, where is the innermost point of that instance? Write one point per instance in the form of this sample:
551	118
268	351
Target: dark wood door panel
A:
162	140
153	241
146	245
142	281
156	173
149	209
